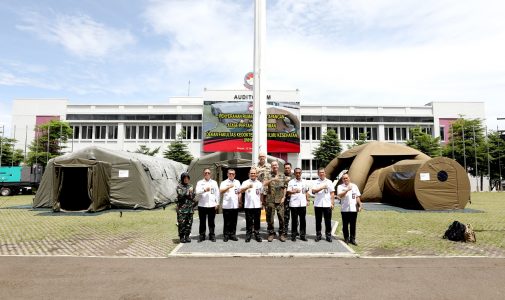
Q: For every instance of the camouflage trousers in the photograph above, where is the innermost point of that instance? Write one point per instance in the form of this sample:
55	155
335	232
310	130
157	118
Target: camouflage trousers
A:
270	210
286	216
185	221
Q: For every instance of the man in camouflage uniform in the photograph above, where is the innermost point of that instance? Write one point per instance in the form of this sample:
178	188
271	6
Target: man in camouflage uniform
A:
289	176
185	205
263	167
275	184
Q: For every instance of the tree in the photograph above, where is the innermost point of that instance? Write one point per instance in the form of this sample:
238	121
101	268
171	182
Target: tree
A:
48	142
424	142
178	150
467	145
496	157
147	151
362	139
8	155
328	148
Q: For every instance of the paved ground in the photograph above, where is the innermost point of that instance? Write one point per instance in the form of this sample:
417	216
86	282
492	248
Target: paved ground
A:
251	278
265	248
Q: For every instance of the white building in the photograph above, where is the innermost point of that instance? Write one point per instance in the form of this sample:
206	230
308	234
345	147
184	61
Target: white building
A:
126	127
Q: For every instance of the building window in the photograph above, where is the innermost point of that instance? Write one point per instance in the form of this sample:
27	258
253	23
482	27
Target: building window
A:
87	132
157	132
100	132
112	132
76	131
315	165
372	134
187	132
305	133
316	133
306	164
389	133
170	132
345	133
401	133
427	130
197	132
131	132
442	133
143	132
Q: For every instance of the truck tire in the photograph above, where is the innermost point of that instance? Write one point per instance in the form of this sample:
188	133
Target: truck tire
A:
5	191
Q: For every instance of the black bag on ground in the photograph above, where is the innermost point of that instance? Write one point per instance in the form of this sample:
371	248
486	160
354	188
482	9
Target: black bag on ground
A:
455	232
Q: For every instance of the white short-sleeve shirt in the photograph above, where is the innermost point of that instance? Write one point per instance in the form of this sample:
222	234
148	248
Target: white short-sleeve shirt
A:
348	202
323	197
209	198
298	199
252	196
230	197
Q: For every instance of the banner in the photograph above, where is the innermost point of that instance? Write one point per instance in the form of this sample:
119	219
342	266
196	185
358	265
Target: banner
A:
227	126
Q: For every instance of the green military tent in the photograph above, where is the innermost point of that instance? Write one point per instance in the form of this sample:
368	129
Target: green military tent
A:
95	179
220	162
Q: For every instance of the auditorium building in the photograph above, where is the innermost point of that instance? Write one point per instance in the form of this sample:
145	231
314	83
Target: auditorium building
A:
128	126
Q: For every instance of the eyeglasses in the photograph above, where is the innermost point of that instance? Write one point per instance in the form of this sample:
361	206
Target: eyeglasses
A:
206	172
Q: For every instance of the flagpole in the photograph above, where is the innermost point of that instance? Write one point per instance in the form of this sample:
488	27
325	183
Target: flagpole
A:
259	137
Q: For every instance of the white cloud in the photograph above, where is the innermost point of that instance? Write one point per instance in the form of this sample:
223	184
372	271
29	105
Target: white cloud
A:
78	34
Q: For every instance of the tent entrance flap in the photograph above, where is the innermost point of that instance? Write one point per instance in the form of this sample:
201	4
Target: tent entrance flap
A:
74	189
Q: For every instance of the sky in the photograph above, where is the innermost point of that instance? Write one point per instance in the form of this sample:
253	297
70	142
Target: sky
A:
359	52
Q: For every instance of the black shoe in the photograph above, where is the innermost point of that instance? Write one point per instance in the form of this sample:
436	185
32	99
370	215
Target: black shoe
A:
225	238
258	238
328	238
247	238
346	241
182	240
212	237
233	237
201	238
303	238
187	239
293	238
318	238
353	242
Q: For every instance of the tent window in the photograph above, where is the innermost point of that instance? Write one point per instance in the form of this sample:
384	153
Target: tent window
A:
442	176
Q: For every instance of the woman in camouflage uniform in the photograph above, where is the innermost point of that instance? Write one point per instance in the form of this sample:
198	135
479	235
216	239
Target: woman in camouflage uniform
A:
185	196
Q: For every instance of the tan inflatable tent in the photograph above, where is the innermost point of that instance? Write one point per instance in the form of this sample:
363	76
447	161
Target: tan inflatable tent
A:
434	184
403	176
96	178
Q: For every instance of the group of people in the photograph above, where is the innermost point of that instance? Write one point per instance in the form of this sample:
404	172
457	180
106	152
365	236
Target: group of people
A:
285	194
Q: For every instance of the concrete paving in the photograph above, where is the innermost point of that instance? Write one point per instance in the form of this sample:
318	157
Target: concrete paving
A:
310	248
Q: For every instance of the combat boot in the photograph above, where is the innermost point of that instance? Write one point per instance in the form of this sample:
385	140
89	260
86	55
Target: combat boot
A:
270	237
282	238
329	238
187	239
182	240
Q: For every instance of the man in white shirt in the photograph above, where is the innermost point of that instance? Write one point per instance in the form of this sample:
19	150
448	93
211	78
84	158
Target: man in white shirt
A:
208	191
230	189
253	191
299	199
324	201
350	198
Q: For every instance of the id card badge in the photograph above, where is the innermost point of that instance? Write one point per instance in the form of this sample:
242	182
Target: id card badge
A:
257	191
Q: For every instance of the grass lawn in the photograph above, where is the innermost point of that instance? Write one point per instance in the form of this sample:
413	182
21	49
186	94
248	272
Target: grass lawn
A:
379	233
